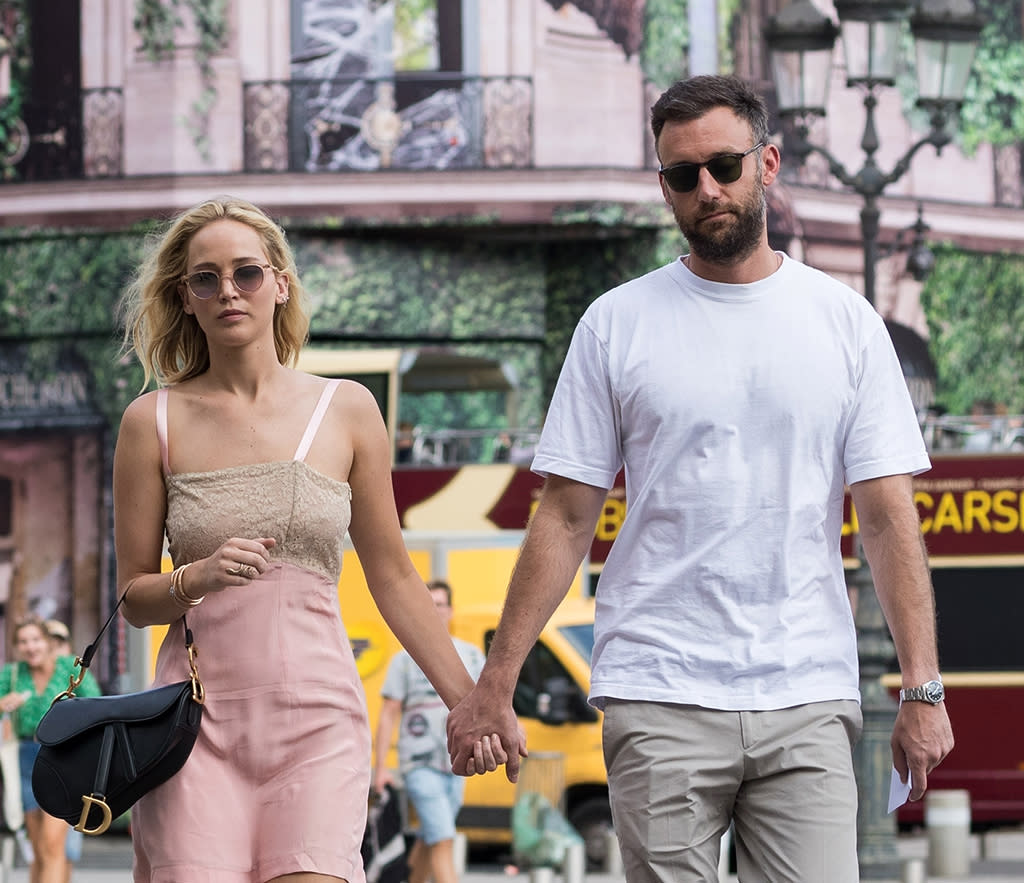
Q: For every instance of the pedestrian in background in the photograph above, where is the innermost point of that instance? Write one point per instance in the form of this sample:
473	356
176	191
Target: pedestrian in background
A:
33	682
60	634
742	391
435	792
255	471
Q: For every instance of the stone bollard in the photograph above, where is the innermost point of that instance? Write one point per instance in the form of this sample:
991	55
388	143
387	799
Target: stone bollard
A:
574	865
542	875
947	818
613	855
913	871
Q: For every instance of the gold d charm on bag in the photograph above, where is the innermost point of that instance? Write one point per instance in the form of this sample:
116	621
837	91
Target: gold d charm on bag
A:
87	804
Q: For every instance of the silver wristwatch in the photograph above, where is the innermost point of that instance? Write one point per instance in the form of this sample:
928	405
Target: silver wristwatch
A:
931	692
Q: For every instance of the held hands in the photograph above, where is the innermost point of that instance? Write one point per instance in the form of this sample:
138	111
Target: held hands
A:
483	733
236	563
921	738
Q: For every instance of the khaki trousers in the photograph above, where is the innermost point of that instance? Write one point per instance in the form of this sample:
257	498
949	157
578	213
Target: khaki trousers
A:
679	774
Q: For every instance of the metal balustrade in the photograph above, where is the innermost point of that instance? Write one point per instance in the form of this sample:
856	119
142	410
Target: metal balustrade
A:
427	121
991	433
432	122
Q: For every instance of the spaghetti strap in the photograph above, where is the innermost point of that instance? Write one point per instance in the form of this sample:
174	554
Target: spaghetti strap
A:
161	427
315	420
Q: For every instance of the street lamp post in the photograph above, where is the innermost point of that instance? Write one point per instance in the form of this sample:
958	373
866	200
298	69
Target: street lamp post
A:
800	41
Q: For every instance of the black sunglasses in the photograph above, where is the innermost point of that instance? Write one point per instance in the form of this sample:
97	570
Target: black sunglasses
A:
725	168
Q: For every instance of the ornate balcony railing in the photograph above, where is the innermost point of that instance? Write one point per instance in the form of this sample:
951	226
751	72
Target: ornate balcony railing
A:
103	133
426	121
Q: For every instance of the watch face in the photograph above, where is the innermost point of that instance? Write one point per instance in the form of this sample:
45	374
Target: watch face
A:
934	692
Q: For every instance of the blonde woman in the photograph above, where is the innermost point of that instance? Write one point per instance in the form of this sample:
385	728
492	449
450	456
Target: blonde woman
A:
255	471
31	685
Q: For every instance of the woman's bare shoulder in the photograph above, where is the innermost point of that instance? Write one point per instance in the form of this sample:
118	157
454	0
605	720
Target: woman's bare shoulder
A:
140	410
350	394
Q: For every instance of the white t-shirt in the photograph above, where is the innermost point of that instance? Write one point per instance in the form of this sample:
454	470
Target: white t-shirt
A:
740	413
422	738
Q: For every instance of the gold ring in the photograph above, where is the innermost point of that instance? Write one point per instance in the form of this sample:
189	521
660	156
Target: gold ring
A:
248	571
236	571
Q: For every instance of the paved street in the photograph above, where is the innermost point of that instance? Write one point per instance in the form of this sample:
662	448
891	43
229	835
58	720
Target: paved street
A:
997	857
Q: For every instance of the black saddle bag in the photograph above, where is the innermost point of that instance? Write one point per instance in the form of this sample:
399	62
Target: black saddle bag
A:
100	754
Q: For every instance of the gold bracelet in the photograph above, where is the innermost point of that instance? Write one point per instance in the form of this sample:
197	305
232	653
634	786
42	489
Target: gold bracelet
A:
181	586
178	594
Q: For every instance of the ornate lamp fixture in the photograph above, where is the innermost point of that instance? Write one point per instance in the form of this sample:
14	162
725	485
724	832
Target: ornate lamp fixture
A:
800	41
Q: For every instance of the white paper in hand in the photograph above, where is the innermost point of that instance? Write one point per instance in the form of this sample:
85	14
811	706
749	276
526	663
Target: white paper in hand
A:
898	792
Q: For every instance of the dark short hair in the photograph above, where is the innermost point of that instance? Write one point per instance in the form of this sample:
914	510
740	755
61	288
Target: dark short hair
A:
440	585
693	97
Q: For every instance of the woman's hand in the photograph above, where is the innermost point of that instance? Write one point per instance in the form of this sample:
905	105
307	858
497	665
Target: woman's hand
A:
12	702
237	562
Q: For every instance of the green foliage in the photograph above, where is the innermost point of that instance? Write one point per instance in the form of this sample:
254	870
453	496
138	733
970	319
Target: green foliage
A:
975	309
20	67
414	41
665	52
666	39
440	288
728	20
993	109
422	289
51	285
581	270
514	302
157	21
60	293
485	409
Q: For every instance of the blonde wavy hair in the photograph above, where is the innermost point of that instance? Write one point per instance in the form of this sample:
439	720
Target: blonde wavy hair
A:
168	341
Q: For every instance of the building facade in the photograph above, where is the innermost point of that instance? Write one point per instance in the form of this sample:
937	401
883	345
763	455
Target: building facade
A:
463	174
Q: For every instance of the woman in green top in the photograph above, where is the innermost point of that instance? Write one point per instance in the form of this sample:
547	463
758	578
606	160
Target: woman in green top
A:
32	684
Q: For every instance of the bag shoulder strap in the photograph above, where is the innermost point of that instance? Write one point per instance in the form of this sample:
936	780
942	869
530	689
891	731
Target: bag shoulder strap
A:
86	658
82	662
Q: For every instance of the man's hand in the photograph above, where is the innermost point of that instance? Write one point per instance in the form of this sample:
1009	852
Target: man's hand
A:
382	778
921	738
483	733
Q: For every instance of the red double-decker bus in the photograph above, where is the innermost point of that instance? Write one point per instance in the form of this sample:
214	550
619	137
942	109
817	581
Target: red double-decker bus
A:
972	517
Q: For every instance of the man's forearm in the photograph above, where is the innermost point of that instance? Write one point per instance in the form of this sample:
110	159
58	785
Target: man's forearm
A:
552	552
899	567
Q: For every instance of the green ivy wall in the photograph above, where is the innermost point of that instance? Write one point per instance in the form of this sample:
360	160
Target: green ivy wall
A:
516	301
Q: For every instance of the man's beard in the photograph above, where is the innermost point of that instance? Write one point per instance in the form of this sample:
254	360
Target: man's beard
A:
733	242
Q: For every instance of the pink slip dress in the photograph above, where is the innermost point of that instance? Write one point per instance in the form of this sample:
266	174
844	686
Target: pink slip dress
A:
278	779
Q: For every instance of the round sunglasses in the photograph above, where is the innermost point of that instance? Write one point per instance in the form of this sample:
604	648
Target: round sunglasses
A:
248	278
724	168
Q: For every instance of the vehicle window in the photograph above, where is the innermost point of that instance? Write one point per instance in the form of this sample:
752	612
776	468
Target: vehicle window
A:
581	637
979	618
541	665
